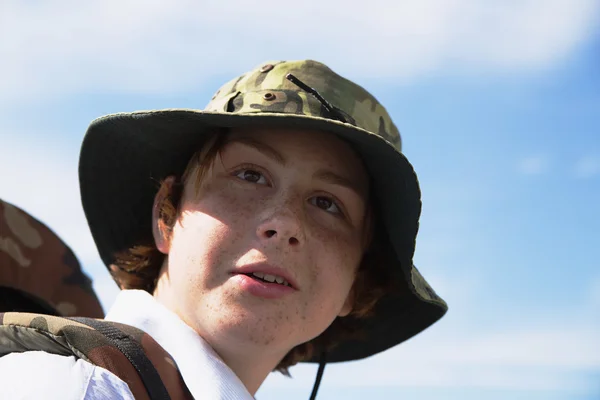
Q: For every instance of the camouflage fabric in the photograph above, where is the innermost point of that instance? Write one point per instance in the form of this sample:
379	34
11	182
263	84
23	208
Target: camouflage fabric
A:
35	261
267	90
20	332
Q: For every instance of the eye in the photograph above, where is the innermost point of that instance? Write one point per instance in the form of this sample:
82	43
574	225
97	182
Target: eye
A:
251	175
327	204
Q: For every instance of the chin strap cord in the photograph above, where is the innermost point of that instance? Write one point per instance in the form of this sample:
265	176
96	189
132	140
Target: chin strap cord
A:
322	363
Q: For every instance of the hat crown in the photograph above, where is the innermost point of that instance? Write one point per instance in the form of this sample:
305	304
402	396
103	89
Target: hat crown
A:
36	262
265	89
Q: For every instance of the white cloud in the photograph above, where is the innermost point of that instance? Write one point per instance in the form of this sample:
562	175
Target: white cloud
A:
533	165
536	359
49	49
42	178
587	167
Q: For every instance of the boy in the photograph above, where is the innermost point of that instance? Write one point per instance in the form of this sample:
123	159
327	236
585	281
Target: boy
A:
283	230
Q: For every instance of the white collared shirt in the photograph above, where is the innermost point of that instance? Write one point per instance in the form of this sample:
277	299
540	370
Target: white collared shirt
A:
61	377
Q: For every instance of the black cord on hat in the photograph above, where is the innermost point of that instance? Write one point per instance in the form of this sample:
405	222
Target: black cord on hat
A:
333	111
322	363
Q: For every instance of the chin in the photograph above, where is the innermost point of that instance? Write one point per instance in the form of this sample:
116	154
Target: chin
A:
252	326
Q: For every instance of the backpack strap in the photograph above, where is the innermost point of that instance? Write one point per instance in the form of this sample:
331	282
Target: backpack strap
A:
129	353
134	353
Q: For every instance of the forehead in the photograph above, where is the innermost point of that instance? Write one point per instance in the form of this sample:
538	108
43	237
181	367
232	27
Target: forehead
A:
295	145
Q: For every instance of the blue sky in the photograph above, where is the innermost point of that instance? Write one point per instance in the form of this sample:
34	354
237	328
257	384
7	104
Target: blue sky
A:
499	109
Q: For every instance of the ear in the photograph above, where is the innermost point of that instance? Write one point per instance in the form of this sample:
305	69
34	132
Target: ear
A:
348	304
160	230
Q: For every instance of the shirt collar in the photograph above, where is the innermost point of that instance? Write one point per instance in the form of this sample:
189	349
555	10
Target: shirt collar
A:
203	371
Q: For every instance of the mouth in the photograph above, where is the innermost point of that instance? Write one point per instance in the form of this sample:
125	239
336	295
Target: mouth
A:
268	278
267	274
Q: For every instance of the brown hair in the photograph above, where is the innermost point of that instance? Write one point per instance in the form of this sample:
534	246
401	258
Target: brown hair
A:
139	266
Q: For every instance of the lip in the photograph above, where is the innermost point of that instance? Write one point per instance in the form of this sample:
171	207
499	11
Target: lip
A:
258	288
267	269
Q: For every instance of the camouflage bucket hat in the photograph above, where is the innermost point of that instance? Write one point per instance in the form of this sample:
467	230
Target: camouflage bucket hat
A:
38	271
124	155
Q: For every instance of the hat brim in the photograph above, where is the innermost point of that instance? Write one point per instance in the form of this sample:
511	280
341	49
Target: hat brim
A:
125	156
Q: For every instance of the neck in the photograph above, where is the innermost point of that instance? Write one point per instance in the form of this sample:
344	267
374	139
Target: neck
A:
252	366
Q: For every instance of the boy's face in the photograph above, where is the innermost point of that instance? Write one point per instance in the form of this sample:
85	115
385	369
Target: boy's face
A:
288	203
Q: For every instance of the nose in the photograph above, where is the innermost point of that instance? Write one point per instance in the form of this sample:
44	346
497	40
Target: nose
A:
281	227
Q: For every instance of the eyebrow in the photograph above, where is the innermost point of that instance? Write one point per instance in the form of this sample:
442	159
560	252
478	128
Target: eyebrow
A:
263	148
323	175
335	179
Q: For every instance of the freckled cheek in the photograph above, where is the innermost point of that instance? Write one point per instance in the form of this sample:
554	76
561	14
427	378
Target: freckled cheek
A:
235	205
335	264
211	233
199	244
